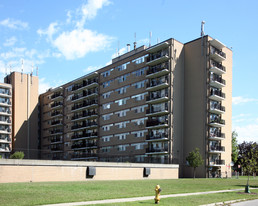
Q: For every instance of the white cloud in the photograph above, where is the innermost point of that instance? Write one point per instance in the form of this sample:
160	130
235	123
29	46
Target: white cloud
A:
11	41
14	24
247	132
91	69
89	11
43	85
242	100
78	43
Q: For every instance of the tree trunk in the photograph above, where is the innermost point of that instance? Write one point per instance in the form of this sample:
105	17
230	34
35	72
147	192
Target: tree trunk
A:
194	172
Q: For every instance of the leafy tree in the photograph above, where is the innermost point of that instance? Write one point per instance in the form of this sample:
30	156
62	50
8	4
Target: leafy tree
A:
234	154
248	155
17	155
194	159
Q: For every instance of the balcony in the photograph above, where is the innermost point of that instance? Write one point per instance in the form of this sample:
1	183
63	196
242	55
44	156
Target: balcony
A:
6	112
56	148
84	95
7	149
5	122
217	136
217	163
157	99
157	137
217	109
153	124
56	104
217	54
216	149
84	105
5	103
84	125
150	112
5	140
217	44
158	47
57	140
84	145
5	94
86	115
56	123
217	68
217	123
86	84
56	113
158	59
56	131
217	82
158	85
5	131
157	71
217	95
56	96
84	136
84	156
156	151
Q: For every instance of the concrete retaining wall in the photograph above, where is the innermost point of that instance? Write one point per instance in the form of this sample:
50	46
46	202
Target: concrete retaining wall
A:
46	171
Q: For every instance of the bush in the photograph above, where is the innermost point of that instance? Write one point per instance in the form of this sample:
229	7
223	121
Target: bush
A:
17	155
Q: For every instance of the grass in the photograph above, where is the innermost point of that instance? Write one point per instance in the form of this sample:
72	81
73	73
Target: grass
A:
58	192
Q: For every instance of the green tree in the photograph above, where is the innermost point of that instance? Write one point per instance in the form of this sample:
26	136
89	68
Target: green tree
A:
194	159
235	150
248	155
17	155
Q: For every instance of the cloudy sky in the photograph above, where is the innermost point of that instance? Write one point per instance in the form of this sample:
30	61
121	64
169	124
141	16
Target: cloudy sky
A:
66	39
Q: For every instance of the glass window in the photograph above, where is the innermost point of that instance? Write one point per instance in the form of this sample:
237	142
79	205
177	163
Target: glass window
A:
106	138
139	97
107	105
139	72
122	136
122	113
122	90
139	133
139	85
140	59
122	67
121	102
107	116
121	125
107	94
107	127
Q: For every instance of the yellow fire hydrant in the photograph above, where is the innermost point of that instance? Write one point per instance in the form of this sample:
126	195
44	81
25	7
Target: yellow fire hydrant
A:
157	194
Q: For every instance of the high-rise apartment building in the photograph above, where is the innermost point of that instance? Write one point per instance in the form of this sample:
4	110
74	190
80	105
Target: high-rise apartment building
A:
5	120
152	104
24	113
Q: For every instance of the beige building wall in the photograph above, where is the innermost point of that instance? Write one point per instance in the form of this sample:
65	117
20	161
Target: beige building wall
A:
48	171
25	113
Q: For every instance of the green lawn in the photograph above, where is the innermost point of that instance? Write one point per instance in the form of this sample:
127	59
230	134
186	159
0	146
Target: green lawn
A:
58	192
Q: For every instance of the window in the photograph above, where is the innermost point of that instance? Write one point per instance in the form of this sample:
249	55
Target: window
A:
105	149
140	59
139	97
122	113
121	102
139	122
107	83
106	138
139	146
139	85
122	78
70	88
107	105
122	136
139	109
107	73
121	125
122	67
122	90
107	116
107	94
107	127
139	133
139	72
122	147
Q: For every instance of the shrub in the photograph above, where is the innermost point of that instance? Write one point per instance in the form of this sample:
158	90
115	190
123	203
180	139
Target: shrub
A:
17	155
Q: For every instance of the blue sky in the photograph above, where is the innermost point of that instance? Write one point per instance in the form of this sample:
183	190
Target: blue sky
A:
66	39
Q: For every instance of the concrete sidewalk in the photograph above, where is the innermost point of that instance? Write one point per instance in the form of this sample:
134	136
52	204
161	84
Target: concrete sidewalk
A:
139	198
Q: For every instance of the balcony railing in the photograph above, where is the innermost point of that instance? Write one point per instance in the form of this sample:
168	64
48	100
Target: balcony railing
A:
84	104
83	145
157	137
55	113
59	94
217	54
217	122
56	122
84	124
157	150
217	81
84	135
56	131
151	112
157	98
216	135
86	114
56	104
217	162
84	84
58	139
214	148
217	68
217	109
217	95
159	84
158	70
84	94
156	123
84	156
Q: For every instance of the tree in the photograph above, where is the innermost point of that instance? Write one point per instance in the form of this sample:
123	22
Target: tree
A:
194	159
248	155
17	155
234	154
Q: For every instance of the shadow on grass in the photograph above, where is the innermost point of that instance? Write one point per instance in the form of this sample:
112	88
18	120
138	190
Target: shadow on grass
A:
252	186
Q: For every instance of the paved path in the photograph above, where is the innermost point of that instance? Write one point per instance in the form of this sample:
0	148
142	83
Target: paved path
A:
138	198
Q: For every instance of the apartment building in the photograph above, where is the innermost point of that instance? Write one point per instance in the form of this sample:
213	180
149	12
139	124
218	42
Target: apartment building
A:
152	104
5	120
24	113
